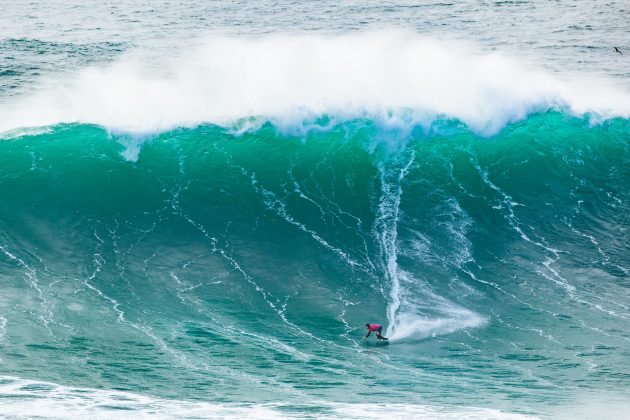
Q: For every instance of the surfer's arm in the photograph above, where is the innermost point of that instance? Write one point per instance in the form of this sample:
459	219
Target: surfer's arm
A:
368	334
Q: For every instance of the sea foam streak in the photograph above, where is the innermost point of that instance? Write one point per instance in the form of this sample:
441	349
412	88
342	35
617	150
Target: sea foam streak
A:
395	77
55	401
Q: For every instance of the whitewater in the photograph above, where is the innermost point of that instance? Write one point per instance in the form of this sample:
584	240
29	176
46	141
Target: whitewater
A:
398	78
202	204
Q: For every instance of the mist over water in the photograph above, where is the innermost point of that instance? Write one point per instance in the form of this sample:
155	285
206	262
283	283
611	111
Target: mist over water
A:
201	205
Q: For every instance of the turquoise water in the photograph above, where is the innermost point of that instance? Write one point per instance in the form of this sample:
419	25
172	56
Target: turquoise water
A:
203	234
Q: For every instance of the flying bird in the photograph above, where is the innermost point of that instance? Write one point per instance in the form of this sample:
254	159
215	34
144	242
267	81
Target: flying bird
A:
617	50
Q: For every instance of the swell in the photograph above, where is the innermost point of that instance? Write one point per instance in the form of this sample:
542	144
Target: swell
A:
279	247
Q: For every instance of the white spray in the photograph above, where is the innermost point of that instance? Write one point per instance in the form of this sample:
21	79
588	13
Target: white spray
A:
289	78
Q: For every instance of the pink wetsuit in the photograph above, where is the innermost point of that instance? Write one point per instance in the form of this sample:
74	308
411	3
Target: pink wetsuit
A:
374	327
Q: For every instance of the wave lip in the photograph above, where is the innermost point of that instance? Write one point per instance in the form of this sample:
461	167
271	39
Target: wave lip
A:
396	77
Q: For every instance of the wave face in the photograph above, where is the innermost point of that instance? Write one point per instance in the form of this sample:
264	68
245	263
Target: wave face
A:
203	202
238	266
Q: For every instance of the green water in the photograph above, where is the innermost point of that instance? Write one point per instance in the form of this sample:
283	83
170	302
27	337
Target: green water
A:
205	265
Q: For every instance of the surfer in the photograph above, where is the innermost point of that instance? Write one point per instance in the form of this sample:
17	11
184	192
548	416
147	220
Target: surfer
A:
374	327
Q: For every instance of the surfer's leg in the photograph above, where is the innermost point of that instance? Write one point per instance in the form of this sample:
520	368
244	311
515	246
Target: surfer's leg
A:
378	334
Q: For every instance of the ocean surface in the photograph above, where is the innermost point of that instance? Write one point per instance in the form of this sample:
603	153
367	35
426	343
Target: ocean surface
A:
203	202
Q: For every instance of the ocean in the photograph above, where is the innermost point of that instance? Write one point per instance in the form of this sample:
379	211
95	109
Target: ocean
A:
203	203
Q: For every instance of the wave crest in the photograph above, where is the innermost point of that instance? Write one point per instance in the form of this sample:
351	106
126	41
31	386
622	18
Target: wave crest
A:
395	77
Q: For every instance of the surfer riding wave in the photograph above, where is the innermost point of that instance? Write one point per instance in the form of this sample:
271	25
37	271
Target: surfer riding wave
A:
374	327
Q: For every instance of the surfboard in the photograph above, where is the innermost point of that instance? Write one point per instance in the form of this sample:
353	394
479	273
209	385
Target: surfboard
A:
378	343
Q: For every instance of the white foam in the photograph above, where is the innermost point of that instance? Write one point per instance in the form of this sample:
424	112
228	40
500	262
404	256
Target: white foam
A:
409	325
396	77
3	327
36	399
414	311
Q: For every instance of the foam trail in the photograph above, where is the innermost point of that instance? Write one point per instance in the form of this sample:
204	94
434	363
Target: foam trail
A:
414	311
395	77
386	226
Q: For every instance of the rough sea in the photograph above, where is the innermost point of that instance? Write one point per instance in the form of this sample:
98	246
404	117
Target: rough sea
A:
203	202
